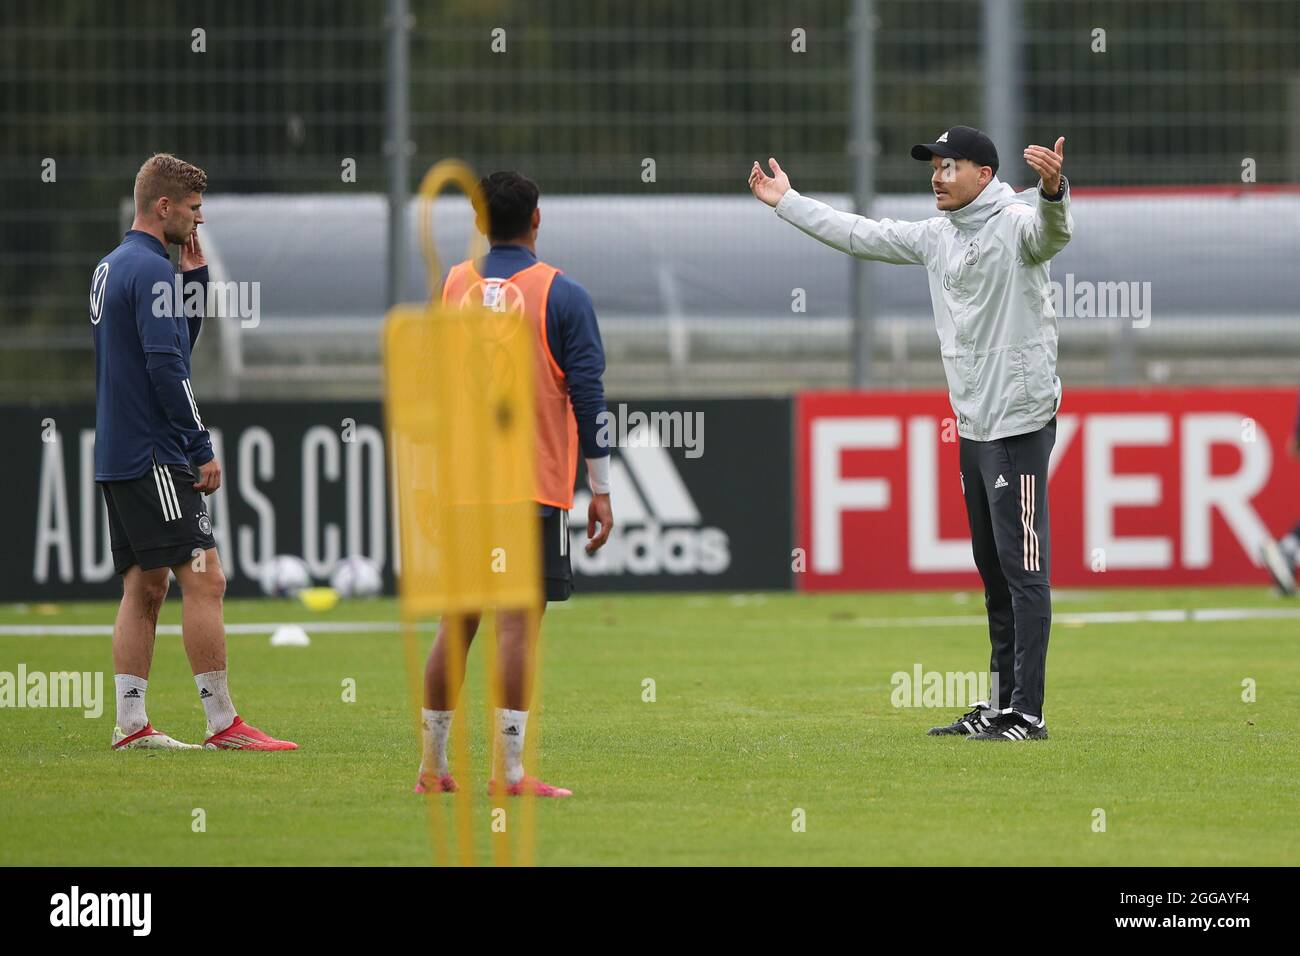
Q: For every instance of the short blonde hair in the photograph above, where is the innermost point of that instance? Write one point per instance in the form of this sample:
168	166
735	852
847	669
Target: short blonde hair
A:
164	175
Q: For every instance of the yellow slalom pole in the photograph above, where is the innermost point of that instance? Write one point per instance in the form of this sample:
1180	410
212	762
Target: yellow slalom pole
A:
500	802
533	742
446	173
458	633
432	801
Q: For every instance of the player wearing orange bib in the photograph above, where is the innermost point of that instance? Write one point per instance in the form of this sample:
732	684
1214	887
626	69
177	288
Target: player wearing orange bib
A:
570	397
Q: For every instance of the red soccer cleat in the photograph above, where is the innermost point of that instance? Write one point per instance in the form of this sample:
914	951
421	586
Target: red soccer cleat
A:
242	736
146	738
530	786
436	783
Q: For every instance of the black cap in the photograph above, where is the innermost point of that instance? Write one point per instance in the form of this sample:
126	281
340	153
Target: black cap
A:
960	142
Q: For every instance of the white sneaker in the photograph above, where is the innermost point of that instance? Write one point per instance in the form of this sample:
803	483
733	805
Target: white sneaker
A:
1279	568
147	739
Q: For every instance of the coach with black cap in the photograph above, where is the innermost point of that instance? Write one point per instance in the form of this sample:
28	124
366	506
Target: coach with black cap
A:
987	260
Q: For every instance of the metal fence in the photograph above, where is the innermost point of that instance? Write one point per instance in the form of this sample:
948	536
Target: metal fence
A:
275	97
1153	93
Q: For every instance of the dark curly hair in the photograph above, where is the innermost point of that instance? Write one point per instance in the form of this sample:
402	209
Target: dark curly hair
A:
510	199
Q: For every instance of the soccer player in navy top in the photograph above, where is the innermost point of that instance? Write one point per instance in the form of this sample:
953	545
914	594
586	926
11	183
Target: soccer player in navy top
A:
153	456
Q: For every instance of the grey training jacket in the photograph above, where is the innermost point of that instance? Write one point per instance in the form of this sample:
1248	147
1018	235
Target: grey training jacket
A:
988	269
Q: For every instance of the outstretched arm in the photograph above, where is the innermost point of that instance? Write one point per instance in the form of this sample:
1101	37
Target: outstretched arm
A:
885	240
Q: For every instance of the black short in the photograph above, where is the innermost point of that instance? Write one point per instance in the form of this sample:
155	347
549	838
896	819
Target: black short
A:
557	571
157	520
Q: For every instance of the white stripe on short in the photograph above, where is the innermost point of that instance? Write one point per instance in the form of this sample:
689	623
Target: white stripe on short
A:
171	490
171	506
162	496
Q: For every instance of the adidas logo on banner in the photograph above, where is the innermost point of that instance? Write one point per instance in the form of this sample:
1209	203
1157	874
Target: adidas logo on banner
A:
661	530
1000	483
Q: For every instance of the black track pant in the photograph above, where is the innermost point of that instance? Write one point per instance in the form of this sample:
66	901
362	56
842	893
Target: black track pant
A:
1005	484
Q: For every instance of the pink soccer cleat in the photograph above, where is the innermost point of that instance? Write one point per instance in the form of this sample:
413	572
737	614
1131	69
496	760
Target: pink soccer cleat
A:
530	786
242	736
436	783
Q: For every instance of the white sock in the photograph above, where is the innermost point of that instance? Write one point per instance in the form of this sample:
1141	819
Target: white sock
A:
437	728
130	702
216	700
1290	546
511	725
1032	718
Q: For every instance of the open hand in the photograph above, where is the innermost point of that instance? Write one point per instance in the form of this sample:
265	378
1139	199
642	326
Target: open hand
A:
769	189
1047	163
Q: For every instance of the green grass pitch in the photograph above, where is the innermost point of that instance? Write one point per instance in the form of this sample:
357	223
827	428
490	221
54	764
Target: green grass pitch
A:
765	704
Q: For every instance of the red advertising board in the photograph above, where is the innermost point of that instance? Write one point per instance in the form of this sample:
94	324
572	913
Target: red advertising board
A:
1146	487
